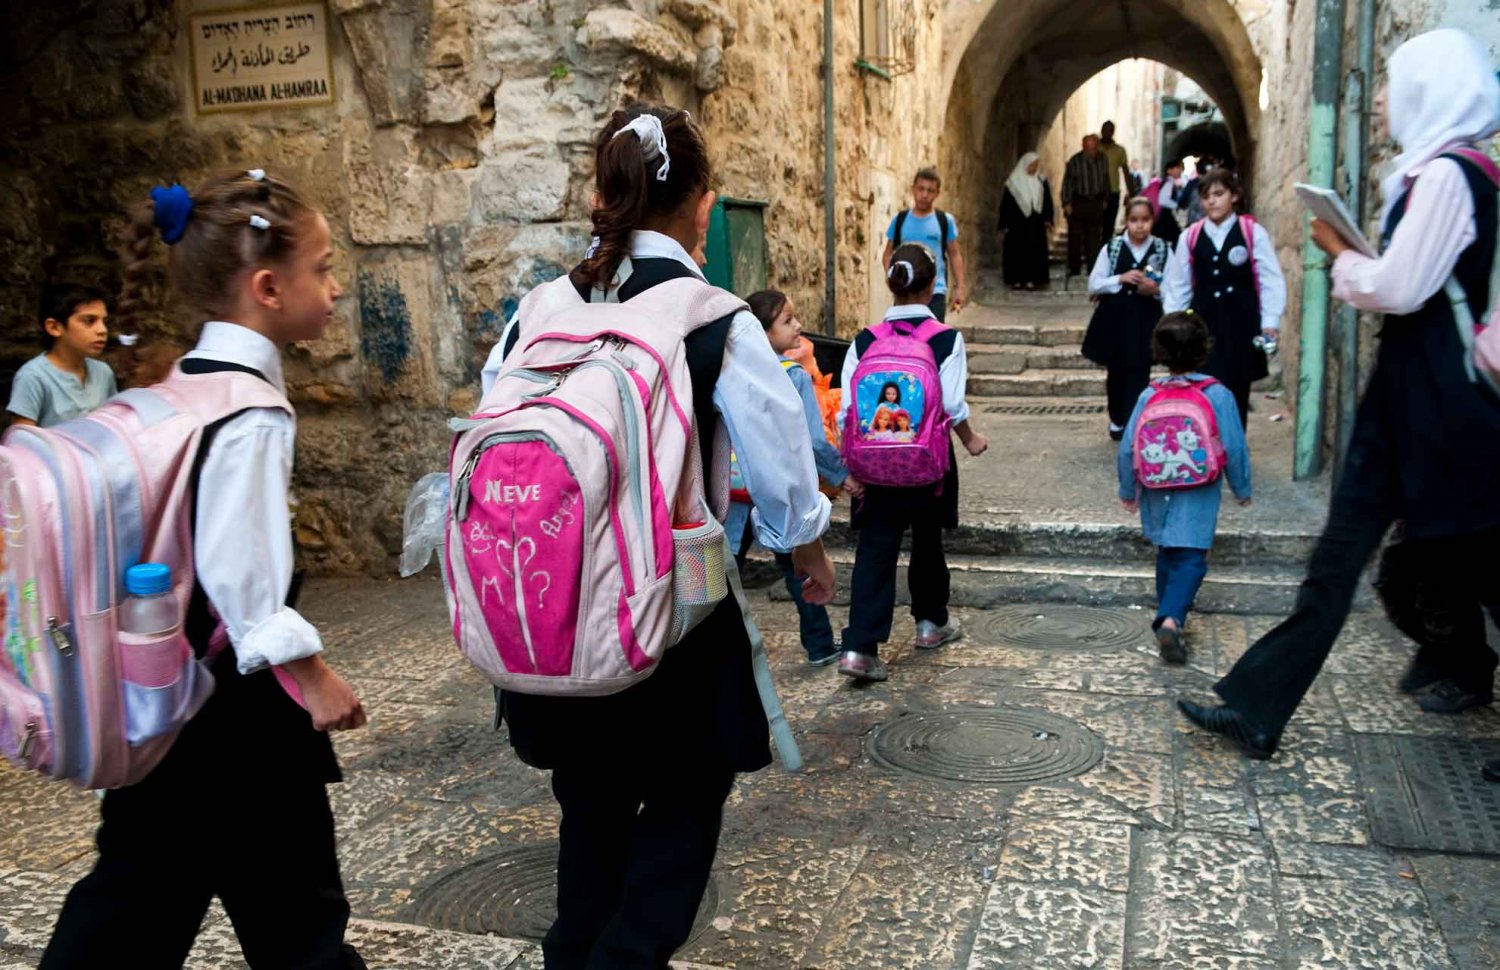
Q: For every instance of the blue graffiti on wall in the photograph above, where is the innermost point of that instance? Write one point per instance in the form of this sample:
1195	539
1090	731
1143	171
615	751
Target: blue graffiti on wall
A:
385	324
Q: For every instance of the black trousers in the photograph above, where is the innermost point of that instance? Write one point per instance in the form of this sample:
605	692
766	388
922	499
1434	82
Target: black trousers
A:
1111	214
872	601
1241	392
939	307
1434	595
1085	232
166	849
635	854
1124	385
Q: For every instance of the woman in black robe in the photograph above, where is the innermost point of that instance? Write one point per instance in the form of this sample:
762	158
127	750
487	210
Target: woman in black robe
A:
1026	221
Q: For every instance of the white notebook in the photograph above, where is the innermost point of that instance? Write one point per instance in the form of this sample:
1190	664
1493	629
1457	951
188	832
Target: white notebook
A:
1325	204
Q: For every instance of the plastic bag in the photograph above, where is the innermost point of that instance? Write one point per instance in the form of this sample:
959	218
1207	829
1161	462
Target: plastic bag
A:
425	522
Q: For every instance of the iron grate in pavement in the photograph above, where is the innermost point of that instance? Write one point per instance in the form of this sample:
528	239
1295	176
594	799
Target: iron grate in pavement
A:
511	894
1033	409
1061	627
1427	793
988	747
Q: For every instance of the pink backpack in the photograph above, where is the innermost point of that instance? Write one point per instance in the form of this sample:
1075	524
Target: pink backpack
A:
580	545
1479	332
1152	193
1176	440
895	428
83	502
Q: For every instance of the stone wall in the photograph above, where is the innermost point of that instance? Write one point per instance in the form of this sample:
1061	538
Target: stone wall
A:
454	168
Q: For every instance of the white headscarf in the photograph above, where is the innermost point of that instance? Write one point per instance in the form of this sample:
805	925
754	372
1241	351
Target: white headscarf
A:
1025	189
1442	92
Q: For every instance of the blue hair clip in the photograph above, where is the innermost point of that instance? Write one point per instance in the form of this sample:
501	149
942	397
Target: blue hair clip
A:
173	207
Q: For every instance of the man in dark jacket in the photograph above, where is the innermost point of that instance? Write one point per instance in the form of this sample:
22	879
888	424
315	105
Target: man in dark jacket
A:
1085	190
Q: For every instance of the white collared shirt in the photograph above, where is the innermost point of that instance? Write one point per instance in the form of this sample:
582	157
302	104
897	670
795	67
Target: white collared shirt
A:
1177	286
242	540
1103	278
953	372
760	412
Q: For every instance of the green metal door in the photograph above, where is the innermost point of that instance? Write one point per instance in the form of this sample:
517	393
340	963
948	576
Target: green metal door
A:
736	246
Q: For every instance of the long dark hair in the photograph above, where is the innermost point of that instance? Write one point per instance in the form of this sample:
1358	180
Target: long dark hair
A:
630	194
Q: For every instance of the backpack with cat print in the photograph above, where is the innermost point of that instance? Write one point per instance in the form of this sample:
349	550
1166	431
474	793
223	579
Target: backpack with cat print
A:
1176	442
83	501
580	546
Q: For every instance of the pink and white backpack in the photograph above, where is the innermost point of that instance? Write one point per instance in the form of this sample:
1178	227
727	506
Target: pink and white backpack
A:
82	502
1176	442
895	427
580	546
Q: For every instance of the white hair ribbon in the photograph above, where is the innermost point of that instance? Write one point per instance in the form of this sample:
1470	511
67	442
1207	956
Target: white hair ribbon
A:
653	139
259	222
911	272
257	174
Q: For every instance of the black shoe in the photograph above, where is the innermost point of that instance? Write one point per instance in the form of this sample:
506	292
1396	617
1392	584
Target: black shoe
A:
1491	770
1418	677
1227	723
1449	698
1116	435
1170	644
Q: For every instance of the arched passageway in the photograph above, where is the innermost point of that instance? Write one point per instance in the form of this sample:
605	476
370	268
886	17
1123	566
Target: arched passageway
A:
1021	62
1208	138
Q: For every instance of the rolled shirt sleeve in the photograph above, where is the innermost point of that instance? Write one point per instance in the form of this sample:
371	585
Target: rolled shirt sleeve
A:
1422	252
768	431
243	540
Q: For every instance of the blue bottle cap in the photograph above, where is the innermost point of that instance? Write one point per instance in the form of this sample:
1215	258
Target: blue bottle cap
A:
148	579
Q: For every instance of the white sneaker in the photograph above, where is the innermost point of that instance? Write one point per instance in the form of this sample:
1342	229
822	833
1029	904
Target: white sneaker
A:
930	636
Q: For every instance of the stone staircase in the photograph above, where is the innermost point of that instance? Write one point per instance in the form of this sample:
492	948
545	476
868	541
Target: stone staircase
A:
1040	521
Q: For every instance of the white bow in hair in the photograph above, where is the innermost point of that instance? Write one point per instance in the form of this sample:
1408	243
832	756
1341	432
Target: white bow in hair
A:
653	139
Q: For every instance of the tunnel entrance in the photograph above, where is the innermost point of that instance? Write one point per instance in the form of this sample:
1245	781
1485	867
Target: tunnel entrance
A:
1023	62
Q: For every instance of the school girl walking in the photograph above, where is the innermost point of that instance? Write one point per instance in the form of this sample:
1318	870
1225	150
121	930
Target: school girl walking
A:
896	441
1183	440
239	806
1225	270
1126	280
642	775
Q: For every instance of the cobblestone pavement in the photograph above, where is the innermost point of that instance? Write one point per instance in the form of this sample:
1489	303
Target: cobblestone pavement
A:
1154	847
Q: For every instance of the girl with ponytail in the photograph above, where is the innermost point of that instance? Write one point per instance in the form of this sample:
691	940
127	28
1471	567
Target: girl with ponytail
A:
239	807
884	513
640	821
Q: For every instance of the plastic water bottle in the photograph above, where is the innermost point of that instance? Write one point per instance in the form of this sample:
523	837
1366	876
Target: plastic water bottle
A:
150	608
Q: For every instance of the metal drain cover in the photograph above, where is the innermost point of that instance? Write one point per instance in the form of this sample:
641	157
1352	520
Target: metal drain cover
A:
1061	627
987	747
1427	793
511	894
1045	409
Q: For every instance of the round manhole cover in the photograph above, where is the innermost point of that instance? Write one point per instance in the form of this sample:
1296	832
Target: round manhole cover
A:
1061	627
1004	747
511	894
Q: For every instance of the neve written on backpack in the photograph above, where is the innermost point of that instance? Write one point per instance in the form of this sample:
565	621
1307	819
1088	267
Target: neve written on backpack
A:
1176	442
83	502
896	430
580	546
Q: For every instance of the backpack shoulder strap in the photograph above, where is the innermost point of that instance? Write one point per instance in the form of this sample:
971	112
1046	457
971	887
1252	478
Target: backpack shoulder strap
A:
1193	232
1115	245
943	230
900	225
213	390
687	303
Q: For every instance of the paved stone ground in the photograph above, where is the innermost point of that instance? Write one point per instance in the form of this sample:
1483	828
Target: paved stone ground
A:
1170	851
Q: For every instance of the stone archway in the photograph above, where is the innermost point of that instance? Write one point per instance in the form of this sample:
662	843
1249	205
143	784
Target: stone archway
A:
1011	68
1212	137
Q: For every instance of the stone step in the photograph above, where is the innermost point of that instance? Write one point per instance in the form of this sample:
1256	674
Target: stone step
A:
981	583
1100	543
1039	383
1023	334
1015	358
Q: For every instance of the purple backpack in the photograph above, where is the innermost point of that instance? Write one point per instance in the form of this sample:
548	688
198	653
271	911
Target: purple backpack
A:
895	427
